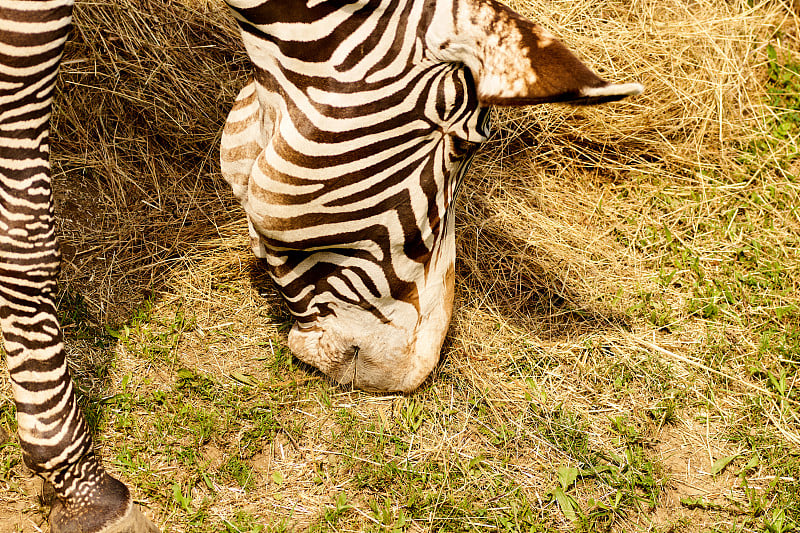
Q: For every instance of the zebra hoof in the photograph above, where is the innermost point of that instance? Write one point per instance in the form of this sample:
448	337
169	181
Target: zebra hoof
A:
133	522
107	509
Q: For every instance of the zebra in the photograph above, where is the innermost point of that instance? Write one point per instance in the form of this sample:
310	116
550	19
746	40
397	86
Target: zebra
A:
346	151
347	157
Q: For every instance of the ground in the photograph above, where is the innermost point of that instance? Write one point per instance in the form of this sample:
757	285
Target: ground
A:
624	347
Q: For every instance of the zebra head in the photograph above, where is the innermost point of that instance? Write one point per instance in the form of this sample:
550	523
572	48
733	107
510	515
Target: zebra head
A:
346	152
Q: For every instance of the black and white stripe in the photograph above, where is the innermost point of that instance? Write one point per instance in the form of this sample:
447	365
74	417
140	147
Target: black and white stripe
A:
358	137
52	431
51	428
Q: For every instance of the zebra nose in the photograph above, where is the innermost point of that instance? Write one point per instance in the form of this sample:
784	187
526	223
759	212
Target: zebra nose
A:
366	369
375	359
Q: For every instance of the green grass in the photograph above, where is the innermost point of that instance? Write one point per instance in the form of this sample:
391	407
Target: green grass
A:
738	268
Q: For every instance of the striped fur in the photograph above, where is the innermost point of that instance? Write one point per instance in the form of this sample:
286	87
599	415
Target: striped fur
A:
346	152
51	428
52	431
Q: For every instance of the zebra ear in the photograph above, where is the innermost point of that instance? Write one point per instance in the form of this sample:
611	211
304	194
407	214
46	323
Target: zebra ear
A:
516	62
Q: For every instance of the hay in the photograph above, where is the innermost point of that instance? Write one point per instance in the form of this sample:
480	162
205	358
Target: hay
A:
145	88
700	63
530	222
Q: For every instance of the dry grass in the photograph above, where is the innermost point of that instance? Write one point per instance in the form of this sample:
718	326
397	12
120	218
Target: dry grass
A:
589	331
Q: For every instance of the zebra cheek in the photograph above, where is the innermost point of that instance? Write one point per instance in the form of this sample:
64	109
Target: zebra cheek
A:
437	303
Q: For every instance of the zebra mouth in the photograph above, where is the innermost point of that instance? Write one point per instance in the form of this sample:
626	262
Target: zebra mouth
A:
361	372
372	362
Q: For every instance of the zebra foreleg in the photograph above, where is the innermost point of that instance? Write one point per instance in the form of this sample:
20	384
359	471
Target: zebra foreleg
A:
53	434
52	431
